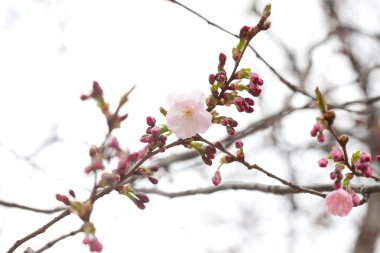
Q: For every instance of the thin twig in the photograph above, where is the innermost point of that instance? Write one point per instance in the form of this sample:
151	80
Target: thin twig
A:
257	167
274	189
281	77
39	231
37	210
62	237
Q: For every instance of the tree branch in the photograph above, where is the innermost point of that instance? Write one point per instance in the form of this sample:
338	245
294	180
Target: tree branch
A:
274	189
37	210
39	231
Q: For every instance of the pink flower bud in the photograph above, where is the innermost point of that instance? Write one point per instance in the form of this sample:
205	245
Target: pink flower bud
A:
254	77
153	180
339	202
355	198
211	78
322	162
249	101
72	193
155	131
216	179
84	97
222	59
206	160
133	156
232	122
210	150
255	90
313	132
260	82
368	172
321	138
95	245
244	31
317	127
142	196
63	199
154	168
224	122
378	158
151	121
239	144
337	185
122	165
332	175
365	157
139	204
359	165
114	143
230	130
336	155
86	240
97	164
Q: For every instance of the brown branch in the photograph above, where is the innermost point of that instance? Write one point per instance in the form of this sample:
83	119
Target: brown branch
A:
257	167
39	231
51	243
37	210
274	189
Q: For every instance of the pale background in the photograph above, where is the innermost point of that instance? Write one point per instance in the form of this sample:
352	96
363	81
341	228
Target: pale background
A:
52	50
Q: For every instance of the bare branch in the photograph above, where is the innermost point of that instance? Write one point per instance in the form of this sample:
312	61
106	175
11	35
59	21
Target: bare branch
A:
37	210
274	189
39	231
51	243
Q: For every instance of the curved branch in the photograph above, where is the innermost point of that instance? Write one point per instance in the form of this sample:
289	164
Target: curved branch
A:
37	210
39	231
274	189
62	237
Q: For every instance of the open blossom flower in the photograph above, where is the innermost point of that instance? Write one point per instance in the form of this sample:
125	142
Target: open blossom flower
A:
186	115
339	202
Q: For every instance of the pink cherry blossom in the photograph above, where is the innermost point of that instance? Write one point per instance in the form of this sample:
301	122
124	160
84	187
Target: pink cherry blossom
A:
186	115
339	202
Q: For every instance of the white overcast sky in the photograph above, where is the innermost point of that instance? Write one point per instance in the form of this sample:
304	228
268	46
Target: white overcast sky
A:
52	50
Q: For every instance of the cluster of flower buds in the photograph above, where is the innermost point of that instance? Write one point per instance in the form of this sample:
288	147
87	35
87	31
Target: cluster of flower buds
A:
154	137
244	104
229	123
65	199
96	161
207	153
113	119
90	239
138	198
93	242
363	164
254	84
96	93
317	131
148	172
337	156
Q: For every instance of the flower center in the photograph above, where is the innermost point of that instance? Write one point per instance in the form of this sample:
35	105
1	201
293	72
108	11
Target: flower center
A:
188	112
